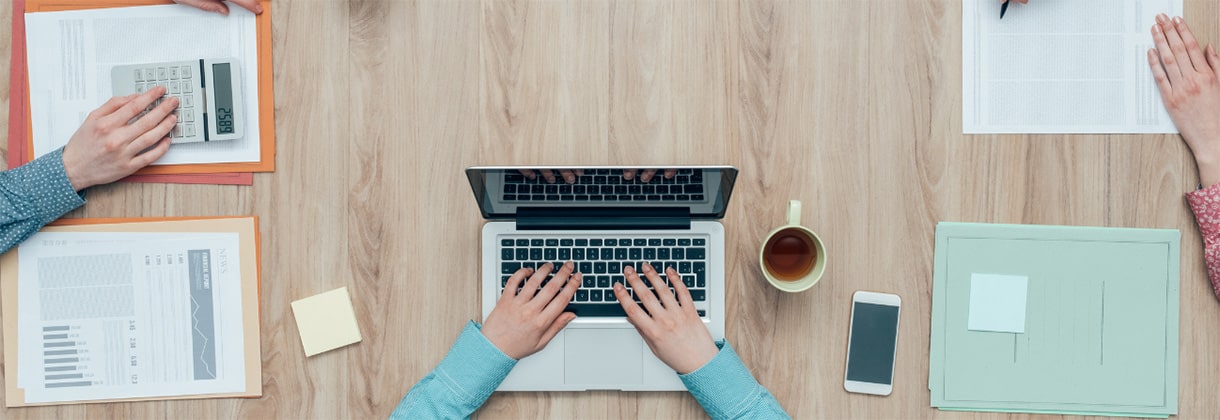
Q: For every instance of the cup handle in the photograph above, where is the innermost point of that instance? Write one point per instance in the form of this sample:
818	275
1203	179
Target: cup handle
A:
794	212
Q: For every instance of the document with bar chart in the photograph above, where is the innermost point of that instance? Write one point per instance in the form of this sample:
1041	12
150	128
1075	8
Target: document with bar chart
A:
129	315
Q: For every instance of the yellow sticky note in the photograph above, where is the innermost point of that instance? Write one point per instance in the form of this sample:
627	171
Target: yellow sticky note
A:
326	321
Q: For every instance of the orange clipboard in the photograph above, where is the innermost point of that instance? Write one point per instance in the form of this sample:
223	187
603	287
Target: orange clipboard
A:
251	267
266	91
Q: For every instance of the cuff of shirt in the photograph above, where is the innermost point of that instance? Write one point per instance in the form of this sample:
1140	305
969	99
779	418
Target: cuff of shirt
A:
51	192
723	386
1205	203
474	367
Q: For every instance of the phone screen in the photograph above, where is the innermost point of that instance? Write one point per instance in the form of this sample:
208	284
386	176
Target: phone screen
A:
870	354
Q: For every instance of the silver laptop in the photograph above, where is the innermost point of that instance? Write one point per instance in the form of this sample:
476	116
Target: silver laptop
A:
603	221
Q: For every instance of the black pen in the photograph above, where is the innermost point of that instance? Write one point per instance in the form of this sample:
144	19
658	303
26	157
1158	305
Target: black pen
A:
1004	8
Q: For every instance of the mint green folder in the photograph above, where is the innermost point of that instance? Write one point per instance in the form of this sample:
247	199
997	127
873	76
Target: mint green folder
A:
1100	324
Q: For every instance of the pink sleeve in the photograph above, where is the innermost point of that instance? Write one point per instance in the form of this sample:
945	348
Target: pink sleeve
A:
1205	203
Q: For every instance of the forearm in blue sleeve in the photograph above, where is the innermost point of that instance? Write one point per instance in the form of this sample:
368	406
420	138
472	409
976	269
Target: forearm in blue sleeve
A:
460	383
33	195
727	390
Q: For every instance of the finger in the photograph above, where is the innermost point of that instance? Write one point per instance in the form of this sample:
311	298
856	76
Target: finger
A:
552	287
560	302
1192	45
151	155
663	293
635	314
684	299
1172	72
628	174
1213	60
110	106
671	173
514	282
641	290
1177	46
568	176
531	286
527	173
580	172
548	176
556	326
150	137
152	119
1158	74
647	175
134	107
251	5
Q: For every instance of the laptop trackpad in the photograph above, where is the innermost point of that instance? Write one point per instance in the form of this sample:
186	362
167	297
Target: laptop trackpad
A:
612	358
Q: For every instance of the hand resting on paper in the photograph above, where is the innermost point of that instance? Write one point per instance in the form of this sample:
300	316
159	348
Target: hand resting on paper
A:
1189	80
219	6
105	148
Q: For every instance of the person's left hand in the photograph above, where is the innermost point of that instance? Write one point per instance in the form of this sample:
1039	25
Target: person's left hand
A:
219	6
523	323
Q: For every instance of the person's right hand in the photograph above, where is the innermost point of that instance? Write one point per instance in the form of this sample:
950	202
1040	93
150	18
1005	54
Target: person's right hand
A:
105	148
647	174
523	323
671	327
219	6
1187	79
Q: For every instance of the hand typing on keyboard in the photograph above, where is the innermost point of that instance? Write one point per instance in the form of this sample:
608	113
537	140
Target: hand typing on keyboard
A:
527	317
671	326
568	175
647	174
105	148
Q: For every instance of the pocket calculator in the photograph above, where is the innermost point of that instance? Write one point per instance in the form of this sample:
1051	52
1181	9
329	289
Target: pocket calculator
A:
209	92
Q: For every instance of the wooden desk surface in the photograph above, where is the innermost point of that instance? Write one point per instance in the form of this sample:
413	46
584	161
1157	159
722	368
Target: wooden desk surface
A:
852	106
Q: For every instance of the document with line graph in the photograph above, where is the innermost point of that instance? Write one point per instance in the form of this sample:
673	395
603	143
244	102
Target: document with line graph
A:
129	315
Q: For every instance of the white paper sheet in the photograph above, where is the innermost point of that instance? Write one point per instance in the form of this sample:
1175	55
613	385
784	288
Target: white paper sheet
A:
71	54
1061	66
997	303
129	315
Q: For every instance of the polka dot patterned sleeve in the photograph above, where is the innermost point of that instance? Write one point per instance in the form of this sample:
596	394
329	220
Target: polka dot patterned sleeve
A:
33	195
1205	203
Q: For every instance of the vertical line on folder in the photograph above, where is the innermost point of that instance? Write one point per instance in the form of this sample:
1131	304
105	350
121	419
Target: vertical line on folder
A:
1102	346
1014	348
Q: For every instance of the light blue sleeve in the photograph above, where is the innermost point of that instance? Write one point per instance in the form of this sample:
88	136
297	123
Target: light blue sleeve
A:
33	195
460	383
727	390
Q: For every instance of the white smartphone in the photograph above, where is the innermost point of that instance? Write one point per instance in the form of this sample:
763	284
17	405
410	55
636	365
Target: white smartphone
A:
871	343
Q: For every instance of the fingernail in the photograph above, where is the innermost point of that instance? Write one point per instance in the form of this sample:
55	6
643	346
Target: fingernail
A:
1177	20
629	269
647	267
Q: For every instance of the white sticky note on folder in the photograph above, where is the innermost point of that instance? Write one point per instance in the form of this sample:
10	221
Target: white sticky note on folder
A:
997	302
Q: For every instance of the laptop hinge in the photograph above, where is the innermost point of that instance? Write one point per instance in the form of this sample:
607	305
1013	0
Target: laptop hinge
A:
602	218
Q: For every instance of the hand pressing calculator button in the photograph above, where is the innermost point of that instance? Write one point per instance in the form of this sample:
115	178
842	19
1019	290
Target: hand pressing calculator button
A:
209	92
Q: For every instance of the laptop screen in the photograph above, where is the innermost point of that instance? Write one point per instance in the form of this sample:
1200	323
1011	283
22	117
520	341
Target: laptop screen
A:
501	191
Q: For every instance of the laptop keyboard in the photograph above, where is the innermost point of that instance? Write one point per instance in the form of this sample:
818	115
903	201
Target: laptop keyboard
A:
601	185
600	260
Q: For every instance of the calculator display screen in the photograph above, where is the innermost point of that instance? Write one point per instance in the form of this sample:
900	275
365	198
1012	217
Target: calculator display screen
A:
222	89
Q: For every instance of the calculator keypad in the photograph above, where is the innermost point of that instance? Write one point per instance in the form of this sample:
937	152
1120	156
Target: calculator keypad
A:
179	82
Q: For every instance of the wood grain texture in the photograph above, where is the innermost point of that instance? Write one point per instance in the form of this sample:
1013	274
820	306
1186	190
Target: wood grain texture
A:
852	106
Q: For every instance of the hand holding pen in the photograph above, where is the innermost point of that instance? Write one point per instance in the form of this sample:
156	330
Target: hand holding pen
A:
1005	3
